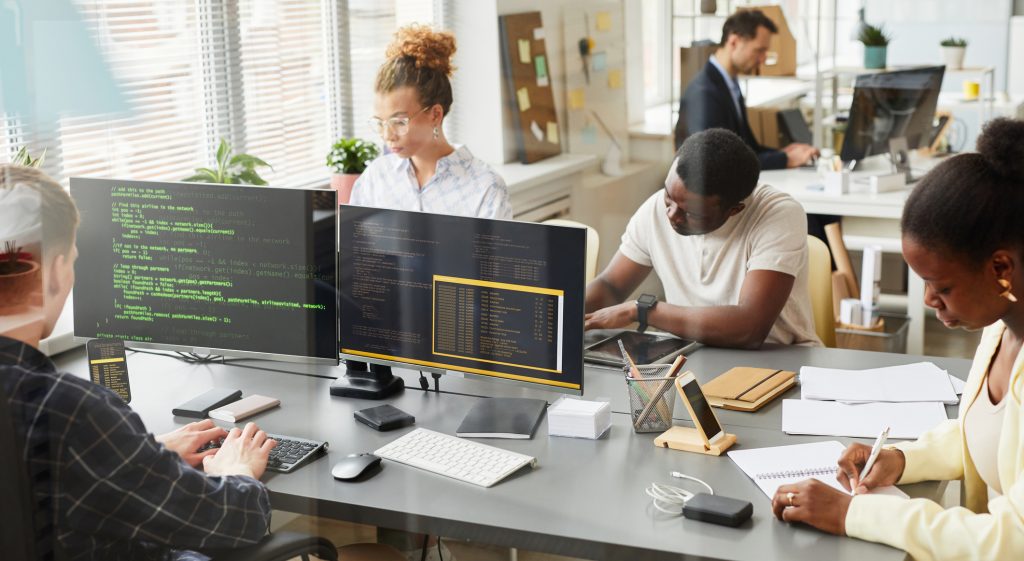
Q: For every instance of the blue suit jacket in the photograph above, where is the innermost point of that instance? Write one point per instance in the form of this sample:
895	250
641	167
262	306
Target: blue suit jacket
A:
708	104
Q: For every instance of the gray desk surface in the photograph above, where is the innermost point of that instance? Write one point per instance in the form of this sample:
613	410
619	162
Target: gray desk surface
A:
585	499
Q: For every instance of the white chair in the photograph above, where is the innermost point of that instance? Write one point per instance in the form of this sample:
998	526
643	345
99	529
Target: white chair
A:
593	245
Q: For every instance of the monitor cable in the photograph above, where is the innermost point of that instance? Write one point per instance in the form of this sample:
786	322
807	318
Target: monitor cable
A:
424	383
669	498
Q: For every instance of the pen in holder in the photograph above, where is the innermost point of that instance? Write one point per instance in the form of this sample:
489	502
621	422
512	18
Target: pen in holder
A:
650	402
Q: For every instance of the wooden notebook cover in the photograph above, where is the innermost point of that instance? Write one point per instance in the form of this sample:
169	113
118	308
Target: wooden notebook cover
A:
748	389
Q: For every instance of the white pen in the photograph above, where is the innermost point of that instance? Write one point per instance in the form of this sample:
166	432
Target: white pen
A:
879	442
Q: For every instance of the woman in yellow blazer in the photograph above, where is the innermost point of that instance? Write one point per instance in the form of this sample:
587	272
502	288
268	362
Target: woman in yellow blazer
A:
963	232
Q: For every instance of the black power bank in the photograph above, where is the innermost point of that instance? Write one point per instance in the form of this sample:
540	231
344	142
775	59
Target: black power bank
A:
198	407
717	510
384	417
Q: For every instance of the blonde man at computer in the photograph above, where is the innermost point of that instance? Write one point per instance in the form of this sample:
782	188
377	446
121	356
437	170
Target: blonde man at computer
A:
731	257
108	489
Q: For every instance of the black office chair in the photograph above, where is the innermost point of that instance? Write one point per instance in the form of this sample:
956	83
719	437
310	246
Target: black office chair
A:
19	514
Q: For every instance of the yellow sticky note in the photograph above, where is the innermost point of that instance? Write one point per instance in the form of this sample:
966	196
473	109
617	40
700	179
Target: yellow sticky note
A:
604	21
552	132
576	99
614	79
524	51
524	99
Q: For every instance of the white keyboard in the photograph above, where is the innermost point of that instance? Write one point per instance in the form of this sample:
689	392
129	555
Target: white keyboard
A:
454	457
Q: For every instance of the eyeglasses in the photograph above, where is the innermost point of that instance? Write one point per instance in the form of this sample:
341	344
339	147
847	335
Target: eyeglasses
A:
398	124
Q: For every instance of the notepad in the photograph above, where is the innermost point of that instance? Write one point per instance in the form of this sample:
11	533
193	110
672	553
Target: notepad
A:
920	381
864	420
579	418
781	465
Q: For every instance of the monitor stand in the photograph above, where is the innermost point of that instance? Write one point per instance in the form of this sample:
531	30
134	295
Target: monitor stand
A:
376	383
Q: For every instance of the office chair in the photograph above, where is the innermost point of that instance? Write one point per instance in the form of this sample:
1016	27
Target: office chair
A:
18	512
819	287
593	244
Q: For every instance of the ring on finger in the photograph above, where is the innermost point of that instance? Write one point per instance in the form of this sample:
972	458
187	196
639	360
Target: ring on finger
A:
789	497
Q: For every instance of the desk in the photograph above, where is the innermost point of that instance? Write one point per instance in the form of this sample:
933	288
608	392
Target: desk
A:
585	498
868	218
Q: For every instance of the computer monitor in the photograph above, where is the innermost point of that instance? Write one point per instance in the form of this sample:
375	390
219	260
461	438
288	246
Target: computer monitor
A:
493	298
230	269
891	105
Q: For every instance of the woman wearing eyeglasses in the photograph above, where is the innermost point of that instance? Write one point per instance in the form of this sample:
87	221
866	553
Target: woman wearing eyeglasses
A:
423	171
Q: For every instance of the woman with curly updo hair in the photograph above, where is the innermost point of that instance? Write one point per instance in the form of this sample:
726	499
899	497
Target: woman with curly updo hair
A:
422	171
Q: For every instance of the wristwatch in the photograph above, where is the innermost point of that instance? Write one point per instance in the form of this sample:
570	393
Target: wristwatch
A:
645	303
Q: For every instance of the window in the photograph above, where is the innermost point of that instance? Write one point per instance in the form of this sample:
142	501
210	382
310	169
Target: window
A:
280	79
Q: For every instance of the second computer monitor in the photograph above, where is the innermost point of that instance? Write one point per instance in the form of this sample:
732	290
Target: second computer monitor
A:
435	292
891	105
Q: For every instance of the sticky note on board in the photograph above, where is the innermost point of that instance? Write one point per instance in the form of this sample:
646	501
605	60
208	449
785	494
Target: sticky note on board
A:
552	132
599	62
540	64
576	99
524	51
523	96
538	33
537	132
604	21
589	134
615	79
543	82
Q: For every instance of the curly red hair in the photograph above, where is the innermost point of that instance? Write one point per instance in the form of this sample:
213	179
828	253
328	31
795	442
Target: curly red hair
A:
421	58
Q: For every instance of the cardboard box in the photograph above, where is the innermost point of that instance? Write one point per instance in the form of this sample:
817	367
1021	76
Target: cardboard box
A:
764	123
782	50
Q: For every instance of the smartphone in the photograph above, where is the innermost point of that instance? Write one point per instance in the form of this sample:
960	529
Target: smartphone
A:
700	410
108	366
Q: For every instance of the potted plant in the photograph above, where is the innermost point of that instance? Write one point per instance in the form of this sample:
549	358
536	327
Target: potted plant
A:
876	42
23	158
953	49
348	158
236	169
19	275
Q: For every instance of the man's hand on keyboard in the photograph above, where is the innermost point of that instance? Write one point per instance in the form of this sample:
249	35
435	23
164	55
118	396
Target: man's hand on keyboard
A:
186	441
243	452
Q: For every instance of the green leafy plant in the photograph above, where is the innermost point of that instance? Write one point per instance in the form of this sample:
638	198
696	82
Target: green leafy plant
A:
954	42
873	36
23	158
9	264
351	155
237	169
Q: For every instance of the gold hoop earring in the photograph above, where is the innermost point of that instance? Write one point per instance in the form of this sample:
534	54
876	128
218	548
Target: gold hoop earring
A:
1006	290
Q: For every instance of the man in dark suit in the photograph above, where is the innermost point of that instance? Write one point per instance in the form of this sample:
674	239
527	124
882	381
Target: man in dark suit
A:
714	100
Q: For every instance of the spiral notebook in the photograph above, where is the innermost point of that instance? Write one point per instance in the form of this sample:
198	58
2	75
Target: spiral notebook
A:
780	465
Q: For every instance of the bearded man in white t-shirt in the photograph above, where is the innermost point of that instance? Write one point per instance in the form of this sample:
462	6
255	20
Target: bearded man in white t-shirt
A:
731	258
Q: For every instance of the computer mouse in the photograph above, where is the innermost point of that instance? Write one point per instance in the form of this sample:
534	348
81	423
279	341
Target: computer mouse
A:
354	465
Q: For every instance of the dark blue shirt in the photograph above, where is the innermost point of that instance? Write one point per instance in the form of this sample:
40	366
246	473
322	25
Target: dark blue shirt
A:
106	489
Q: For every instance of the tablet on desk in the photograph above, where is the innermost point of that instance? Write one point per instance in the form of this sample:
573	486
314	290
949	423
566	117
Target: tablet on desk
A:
645	348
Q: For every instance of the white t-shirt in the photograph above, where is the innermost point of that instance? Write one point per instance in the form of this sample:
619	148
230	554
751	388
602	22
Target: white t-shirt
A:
770	233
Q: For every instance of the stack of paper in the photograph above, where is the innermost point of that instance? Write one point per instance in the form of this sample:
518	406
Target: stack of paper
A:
860	403
864	420
579	418
921	381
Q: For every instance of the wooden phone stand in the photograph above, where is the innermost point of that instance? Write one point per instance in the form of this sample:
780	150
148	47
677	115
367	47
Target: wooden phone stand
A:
689	440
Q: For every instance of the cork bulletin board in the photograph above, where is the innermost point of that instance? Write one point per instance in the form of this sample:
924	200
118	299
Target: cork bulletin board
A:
528	75
595	63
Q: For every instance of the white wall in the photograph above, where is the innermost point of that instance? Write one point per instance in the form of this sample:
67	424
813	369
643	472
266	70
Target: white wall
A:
478	85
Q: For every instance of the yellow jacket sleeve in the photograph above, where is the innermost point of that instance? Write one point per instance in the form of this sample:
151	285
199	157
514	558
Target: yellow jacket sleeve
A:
936	456
926	531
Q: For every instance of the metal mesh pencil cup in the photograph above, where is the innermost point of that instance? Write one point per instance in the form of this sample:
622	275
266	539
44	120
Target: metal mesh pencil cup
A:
657	418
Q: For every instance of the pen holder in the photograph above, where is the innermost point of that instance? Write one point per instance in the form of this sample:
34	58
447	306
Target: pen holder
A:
653	384
837	182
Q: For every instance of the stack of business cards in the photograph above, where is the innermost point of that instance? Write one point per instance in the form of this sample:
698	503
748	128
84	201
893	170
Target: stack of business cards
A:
579	418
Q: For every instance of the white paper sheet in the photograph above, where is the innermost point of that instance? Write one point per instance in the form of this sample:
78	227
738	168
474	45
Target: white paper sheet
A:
865	420
920	381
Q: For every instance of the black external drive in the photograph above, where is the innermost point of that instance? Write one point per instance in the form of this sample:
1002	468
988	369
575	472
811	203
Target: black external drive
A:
384	417
198	407
718	510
